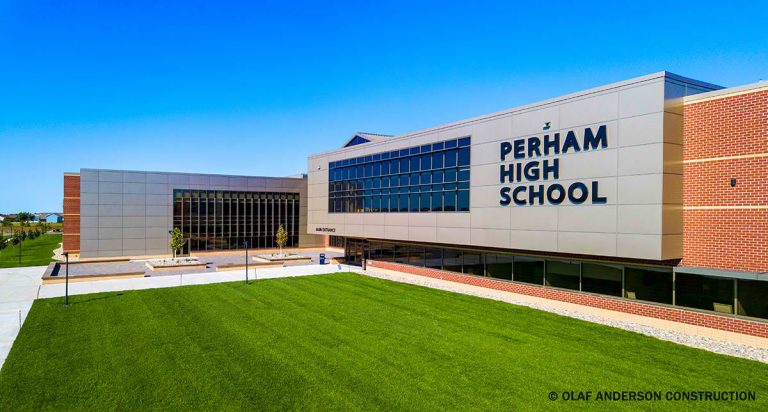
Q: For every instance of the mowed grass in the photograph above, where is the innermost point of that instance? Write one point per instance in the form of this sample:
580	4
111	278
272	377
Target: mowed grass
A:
340	341
34	252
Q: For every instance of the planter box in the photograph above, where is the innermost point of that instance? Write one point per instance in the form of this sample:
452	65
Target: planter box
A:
173	264
90	278
276	258
255	265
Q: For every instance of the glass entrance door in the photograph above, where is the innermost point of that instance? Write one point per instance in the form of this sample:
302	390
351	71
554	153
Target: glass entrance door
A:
354	252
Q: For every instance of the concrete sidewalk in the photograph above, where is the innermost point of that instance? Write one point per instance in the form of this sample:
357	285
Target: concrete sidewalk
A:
167	281
18	289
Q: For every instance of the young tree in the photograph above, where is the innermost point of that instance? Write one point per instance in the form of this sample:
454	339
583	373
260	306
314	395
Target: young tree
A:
281	238
24	217
177	240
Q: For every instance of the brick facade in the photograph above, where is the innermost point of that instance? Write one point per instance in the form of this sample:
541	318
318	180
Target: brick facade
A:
71	236
724	138
689	317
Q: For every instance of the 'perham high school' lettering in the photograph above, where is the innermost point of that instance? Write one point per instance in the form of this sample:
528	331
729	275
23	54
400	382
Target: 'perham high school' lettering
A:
548	169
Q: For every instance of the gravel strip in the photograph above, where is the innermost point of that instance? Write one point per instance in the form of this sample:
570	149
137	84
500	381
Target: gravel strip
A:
699	342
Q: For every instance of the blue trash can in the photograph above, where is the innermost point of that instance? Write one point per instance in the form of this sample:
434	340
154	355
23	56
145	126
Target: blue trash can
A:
322	258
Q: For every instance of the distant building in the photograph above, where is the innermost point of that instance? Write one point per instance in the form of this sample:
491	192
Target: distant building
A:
51	217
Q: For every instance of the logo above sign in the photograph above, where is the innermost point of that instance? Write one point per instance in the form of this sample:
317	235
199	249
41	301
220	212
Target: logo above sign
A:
522	168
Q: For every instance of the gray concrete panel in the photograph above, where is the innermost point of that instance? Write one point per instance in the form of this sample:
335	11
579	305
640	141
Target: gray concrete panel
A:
129	213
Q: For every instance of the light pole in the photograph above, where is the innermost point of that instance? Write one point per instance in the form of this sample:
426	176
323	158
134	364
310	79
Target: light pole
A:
66	279
246	261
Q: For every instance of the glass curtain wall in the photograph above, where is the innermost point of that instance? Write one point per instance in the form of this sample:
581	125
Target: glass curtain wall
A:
648	283
222	220
428	178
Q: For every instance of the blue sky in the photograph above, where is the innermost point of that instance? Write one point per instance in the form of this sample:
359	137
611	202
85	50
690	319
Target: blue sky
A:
254	87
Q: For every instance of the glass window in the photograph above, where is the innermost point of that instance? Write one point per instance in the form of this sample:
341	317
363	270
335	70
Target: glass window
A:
376	204
414	202
752	298
394	167
463	201
437	201
463	174
354	183
437	160
416	256
393	203
374	250
403	202
401	253
426	162
464	156
653	285
528	270
449	201
415	164
434	258
450	158
601	278
473	264
424	204
387	252
452	260
404	165
563	274
228	219
704	292
498	266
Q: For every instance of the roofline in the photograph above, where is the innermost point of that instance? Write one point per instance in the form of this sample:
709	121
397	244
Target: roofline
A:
532	106
722	93
189	173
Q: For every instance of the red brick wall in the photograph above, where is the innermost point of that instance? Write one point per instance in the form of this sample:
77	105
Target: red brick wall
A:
725	323
71	234
726	227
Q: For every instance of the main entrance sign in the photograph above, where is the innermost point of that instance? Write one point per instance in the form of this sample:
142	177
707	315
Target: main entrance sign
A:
554	144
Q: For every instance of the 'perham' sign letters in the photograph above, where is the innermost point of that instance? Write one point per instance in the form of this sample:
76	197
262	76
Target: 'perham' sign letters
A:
522	169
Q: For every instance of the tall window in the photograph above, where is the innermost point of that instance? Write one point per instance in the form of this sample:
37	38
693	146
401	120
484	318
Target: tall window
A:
428	178
216	219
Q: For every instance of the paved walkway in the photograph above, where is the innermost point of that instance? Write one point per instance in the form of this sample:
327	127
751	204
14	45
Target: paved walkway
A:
213	261
19	287
166	281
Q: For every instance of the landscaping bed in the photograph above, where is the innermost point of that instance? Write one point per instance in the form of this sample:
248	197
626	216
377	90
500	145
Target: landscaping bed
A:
175	264
281	257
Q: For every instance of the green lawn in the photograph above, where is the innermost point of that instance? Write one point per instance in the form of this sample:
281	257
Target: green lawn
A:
341	341
34	252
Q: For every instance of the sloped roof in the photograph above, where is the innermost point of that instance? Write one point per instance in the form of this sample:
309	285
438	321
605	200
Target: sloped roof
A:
362	137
